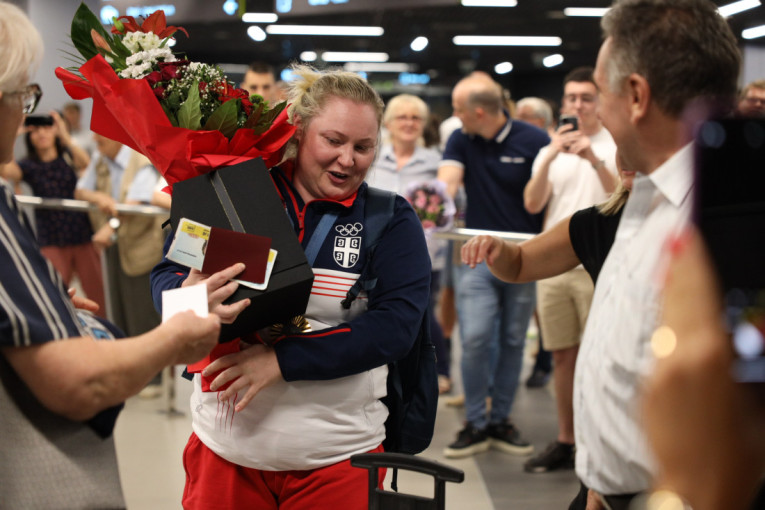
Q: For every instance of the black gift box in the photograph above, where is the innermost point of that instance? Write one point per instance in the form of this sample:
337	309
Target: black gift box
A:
243	198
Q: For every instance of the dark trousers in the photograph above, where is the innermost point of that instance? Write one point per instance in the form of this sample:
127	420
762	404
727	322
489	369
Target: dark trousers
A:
621	502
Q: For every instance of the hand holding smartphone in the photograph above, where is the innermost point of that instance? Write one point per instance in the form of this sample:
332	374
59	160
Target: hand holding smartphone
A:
569	119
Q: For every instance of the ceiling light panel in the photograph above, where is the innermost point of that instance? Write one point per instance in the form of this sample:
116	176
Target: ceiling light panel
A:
595	12
506	40
353	56
324	30
736	7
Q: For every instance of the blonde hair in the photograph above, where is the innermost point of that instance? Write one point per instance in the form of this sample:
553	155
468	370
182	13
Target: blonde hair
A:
616	201
20	46
311	89
401	100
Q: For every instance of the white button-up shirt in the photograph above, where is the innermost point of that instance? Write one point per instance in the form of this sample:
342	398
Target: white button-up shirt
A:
612	454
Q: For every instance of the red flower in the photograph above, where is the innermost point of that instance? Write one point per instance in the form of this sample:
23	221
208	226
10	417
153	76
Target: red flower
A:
153	78
202	86
156	22
171	70
159	92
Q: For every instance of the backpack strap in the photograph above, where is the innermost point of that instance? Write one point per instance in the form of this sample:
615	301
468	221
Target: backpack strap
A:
318	236
378	211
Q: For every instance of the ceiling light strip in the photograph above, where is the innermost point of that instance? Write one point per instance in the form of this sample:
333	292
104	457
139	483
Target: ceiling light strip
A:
506	40
324	30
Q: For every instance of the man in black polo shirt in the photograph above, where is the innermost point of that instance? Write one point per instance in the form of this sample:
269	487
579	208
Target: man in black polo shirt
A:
492	157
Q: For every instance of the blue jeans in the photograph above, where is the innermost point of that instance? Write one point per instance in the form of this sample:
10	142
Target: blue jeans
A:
493	318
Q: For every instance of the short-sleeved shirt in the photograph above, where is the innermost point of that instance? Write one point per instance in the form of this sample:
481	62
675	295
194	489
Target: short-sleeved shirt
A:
34	307
142	187
575	184
56	179
592	235
495	173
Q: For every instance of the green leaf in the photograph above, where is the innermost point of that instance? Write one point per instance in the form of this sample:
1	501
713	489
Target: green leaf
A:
268	118
170	115
224	119
190	112
254	118
120	49
84	20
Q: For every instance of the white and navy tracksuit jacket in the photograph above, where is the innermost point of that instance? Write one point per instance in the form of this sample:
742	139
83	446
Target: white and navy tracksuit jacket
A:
328	407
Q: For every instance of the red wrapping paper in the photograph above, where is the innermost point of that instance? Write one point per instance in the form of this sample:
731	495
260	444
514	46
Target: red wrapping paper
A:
126	110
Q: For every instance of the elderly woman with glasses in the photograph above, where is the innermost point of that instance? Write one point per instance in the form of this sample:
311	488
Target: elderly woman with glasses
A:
60	389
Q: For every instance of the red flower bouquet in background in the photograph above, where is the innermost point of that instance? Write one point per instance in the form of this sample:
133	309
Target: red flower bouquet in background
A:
186	117
432	203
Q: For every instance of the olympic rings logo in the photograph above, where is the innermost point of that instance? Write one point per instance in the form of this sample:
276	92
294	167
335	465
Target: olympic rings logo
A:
349	229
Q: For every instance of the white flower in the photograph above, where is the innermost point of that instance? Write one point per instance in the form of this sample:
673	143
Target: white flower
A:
141	41
141	63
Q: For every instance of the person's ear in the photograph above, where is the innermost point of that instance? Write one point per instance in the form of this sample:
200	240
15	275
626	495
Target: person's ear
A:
639	94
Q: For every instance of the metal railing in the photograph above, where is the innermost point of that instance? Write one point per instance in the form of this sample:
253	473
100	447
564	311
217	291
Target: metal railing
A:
81	205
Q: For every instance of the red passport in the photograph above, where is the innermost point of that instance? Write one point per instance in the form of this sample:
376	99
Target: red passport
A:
226	247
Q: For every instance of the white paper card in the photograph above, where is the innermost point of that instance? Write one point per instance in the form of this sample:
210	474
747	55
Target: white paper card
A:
192	298
188	246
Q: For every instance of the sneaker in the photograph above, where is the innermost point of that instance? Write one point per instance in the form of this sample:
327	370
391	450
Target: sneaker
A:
556	456
470	441
505	437
538	379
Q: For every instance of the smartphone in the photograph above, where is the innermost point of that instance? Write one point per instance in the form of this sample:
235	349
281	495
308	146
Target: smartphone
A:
569	119
38	120
730	212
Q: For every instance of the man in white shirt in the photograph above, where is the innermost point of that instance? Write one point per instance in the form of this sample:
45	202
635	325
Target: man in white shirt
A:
577	170
659	58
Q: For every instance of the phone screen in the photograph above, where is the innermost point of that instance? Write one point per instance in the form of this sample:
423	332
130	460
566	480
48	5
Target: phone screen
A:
730	212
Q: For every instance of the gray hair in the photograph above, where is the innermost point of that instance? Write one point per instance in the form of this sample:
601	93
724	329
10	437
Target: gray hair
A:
683	48
539	106
311	89
20	46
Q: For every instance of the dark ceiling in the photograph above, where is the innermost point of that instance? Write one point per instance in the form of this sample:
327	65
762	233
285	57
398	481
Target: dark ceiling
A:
227	42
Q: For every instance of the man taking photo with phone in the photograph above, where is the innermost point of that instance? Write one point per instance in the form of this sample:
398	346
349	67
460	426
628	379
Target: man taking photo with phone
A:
577	170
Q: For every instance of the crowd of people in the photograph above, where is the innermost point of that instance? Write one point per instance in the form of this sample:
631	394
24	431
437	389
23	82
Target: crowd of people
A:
603	186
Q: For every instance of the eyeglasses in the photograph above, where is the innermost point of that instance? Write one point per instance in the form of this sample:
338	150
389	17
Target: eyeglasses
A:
30	96
404	118
755	101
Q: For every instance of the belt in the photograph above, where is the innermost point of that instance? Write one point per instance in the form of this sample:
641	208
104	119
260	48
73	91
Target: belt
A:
618	501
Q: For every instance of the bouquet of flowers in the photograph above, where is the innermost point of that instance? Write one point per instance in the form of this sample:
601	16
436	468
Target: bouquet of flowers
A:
186	117
433	205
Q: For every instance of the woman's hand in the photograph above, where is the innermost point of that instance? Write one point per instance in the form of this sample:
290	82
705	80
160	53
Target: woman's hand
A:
104	237
480	249
62	132
82	303
219	288
251	369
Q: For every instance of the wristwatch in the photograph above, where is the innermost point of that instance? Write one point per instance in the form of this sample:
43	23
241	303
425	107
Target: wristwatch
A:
115	223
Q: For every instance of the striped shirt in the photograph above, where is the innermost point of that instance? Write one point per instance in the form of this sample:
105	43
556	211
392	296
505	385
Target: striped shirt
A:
34	306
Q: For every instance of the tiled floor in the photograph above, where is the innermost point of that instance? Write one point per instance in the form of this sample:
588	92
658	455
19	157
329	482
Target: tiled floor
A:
150	443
